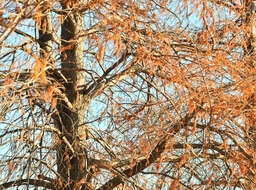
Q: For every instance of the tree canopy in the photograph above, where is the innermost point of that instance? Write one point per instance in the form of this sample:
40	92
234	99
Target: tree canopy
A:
142	94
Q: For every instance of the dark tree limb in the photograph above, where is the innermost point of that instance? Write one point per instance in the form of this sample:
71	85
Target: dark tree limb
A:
138	167
34	182
154	155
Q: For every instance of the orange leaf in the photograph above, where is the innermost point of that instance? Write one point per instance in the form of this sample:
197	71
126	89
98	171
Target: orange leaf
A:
209	181
60	184
82	165
10	165
21	136
44	26
77	185
194	128
191	105
54	103
49	93
101	51
225	144
174	184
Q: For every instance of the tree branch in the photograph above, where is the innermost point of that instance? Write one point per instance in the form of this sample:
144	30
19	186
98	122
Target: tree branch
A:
154	155
34	182
138	167
99	81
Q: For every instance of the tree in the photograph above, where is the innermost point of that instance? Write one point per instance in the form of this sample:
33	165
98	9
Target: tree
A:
127	94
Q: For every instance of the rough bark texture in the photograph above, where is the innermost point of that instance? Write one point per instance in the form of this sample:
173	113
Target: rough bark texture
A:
71	165
251	51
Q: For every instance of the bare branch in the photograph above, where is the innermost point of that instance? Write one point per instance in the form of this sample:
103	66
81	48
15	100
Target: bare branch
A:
34	182
139	166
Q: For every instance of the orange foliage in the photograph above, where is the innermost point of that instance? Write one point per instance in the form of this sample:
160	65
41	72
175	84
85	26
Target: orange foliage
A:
168	84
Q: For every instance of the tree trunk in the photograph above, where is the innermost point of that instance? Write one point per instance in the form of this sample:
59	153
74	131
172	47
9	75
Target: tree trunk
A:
72	164
250	21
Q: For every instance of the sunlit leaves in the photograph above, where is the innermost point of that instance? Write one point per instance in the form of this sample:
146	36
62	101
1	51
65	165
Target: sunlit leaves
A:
174	184
39	69
101	51
134	72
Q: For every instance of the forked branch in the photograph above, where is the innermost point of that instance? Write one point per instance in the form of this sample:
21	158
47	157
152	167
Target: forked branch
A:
154	155
139	166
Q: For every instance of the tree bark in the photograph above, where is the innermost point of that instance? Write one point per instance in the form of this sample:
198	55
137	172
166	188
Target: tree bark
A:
72	166
250	21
